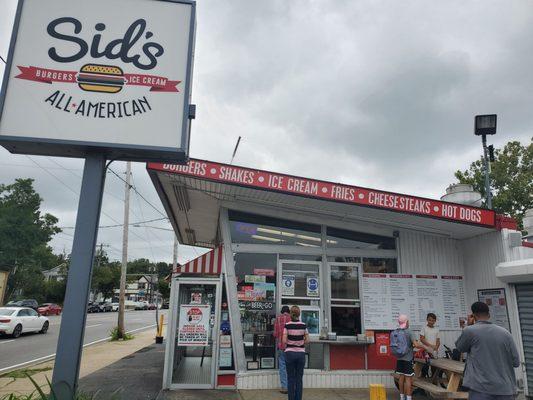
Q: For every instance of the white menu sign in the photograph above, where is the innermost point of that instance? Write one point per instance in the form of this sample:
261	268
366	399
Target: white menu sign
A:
495	299
385	296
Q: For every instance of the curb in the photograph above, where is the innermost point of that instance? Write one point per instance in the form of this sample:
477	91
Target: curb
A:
52	356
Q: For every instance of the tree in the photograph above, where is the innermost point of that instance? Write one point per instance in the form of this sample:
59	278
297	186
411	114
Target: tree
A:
106	275
24	236
164	289
511	179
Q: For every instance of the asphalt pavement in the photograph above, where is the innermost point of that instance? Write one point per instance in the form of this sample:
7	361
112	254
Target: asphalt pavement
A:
35	346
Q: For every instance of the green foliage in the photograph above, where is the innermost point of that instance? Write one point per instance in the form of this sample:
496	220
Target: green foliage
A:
164	289
39	394
25	372
106	275
115	335
24	235
55	291
511	179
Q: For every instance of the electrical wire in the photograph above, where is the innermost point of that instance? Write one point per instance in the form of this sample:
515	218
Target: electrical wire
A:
136	191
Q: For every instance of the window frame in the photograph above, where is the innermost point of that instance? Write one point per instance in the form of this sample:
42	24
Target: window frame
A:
356	303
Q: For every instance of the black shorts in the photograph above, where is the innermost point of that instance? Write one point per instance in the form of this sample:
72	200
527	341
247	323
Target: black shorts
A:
404	367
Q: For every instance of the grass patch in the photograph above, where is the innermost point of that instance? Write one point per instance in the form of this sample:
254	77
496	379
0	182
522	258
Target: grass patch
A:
115	335
24	373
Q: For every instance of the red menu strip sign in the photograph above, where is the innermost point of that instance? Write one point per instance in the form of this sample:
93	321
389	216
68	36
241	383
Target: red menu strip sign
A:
329	191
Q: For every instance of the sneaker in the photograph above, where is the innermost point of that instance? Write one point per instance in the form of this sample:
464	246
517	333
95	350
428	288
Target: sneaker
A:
284	391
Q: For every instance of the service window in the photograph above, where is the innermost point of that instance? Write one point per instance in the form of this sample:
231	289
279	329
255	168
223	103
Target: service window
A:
300	285
345	299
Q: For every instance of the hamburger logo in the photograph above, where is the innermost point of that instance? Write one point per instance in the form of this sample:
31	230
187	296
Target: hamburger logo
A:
100	77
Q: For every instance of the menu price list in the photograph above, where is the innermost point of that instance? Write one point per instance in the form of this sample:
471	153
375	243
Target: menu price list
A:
385	296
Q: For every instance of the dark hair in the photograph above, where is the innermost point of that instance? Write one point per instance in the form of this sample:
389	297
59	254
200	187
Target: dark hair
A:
431	315
295	313
285	309
480	308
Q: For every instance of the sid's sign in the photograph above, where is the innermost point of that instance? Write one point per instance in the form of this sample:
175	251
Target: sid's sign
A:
101	75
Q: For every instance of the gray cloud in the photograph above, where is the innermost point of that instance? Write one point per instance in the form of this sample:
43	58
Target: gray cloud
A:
374	93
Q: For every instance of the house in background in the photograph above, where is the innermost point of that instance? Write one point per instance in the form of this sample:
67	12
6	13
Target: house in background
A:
144	288
55	274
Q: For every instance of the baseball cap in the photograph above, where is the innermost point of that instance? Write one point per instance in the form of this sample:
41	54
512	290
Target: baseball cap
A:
402	321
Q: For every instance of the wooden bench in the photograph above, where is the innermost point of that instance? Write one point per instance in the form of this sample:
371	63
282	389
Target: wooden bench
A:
435	391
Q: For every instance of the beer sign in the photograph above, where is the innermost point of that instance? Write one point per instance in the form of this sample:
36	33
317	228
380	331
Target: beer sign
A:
111	76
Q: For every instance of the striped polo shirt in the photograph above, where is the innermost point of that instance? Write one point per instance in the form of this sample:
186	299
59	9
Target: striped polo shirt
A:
295	331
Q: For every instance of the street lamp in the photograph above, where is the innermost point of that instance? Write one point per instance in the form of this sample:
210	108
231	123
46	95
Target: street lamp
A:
486	125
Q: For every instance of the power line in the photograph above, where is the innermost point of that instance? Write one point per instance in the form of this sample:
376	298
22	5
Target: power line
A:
136	191
117	225
2	58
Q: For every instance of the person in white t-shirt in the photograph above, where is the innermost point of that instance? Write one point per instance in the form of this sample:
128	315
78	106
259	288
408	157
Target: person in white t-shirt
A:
430	336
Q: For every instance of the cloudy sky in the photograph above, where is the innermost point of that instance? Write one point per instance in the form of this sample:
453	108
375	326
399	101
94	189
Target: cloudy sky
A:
373	93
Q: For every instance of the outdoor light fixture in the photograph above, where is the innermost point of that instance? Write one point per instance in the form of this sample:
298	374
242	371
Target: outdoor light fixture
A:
486	125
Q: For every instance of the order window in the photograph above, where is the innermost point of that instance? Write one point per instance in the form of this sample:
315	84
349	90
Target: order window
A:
345	299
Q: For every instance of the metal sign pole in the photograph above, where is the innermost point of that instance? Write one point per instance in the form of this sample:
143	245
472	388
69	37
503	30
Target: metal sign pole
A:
72	330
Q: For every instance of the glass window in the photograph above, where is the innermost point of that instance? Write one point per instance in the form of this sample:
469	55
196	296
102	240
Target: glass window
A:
256	229
380	265
345	302
346	321
300	280
358	240
23	313
6	312
32	313
256	291
344	282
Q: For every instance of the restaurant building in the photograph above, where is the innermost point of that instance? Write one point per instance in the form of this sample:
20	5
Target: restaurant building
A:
352	258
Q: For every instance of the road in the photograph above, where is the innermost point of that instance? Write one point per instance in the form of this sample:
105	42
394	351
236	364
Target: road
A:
32	346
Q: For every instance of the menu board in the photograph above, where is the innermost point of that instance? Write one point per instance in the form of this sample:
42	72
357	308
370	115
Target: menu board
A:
495	299
385	296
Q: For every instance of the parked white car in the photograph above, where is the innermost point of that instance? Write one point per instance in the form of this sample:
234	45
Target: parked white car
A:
17	320
114	306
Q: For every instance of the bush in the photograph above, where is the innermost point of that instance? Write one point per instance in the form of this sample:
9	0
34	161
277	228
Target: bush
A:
115	336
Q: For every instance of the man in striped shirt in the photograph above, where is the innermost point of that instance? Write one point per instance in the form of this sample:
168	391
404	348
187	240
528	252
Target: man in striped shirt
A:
295	337
279	328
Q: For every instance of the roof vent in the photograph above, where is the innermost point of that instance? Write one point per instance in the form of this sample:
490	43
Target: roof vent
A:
528	223
462	194
182	198
191	236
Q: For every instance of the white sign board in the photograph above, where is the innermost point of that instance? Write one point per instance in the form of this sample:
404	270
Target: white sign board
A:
287	285
495	299
106	75
385	296
193	328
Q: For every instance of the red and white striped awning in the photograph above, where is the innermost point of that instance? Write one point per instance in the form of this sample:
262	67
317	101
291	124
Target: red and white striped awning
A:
208	264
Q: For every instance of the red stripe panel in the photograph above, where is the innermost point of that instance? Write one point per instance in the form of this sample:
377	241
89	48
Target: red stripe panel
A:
207	264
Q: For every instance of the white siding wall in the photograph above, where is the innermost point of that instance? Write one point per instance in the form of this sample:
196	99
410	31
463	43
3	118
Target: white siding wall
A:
317	379
481	255
422	254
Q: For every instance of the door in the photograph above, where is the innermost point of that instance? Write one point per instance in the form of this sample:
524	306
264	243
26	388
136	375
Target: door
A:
25	320
194	339
524	299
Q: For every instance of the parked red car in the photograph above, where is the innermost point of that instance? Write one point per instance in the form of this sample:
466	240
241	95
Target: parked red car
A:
49	309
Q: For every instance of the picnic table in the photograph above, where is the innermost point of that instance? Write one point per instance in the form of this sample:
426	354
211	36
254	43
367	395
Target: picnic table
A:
445	381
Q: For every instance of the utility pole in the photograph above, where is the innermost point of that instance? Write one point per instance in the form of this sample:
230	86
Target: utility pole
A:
487	171
121	306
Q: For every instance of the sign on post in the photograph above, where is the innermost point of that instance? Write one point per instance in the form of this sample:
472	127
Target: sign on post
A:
112	76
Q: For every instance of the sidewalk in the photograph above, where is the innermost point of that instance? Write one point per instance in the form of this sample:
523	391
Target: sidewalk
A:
94	358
